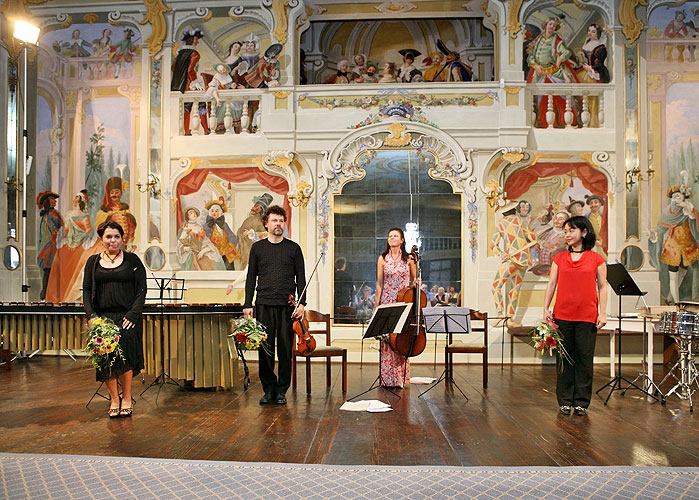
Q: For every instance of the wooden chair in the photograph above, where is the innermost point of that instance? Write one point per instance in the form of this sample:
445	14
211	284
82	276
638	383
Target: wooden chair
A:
322	351
459	347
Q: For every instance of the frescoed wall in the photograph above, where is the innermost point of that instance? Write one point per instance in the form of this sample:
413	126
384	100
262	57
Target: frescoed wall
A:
87	127
673	234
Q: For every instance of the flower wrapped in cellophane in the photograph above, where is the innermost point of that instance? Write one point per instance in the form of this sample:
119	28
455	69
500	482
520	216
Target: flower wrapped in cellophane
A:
103	347
248	334
547	339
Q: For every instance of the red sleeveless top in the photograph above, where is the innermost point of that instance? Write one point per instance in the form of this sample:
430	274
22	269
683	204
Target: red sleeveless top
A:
577	299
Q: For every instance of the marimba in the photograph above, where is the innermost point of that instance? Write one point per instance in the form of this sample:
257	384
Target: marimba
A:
194	337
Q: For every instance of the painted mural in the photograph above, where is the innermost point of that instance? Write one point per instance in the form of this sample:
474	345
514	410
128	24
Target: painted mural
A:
673	238
404	51
568	43
85	152
529	230
219	216
220	55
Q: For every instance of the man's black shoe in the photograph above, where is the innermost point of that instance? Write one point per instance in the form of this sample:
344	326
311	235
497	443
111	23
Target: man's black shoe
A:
281	399
267	399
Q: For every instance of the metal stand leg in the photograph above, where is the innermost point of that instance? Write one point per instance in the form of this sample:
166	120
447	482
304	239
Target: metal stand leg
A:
377	383
70	354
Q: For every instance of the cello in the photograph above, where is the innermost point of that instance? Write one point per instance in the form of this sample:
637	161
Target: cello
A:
411	341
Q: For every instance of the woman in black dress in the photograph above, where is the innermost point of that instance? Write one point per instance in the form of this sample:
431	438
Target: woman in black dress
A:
114	286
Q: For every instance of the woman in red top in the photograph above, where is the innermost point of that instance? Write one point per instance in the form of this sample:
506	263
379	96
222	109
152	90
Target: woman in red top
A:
581	304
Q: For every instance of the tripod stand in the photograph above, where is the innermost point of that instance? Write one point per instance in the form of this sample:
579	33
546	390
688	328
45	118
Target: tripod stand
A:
622	284
448	321
162	285
387	318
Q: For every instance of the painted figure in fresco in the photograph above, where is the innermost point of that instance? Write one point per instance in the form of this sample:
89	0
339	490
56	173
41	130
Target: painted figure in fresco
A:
102	45
76	46
408	73
675	240
122	54
252	51
220	233
360	65
693	26
575	207
598	221
454	70
530	34
50	222
253	228
194	250
511	242
222	80
77	241
343	75
551	243
388	73
594	55
113	209
234	57
266	73
185	76
434	63
549	62
677	28
370	76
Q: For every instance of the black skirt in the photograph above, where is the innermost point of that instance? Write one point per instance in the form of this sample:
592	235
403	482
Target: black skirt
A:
131	342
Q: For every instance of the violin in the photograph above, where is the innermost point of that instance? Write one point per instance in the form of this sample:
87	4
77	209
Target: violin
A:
305	343
413	339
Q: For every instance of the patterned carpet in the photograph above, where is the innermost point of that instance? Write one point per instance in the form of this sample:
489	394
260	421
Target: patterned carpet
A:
82	477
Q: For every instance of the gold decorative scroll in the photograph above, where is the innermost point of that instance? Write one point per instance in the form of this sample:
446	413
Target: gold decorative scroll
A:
155	16
281	19
631	26
513	25
397	138
513	157
91	18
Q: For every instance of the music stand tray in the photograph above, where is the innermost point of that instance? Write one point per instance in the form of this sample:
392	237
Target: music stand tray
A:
623	284
446	320
387	318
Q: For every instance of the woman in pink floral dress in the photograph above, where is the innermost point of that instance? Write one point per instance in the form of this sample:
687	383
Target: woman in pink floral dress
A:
395	270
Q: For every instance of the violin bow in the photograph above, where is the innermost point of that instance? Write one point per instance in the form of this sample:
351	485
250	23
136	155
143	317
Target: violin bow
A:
308	282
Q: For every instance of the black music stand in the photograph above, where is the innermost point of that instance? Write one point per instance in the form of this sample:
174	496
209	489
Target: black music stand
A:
169	284
623	284
446	320
387	318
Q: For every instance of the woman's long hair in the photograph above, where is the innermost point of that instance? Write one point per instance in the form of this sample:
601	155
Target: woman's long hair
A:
403	252
583	223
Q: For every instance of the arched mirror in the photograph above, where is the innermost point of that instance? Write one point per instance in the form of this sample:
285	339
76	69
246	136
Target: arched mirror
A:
155	258
11	257
631	257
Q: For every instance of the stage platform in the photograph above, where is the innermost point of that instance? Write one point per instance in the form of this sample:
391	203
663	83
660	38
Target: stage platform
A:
515	422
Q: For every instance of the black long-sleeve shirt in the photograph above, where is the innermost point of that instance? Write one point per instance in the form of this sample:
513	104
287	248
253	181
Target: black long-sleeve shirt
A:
278	270
130	294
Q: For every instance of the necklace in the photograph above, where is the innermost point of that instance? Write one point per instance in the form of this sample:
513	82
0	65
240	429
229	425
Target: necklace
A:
577	251
115	257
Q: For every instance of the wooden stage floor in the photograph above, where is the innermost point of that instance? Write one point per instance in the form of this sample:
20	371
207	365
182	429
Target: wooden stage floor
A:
514	423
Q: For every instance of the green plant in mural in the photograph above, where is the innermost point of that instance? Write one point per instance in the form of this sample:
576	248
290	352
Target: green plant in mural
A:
94	163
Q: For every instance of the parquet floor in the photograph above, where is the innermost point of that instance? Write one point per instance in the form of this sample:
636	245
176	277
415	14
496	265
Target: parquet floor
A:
514	423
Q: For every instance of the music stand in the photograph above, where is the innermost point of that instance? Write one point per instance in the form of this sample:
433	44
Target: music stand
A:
387	318
623	284
171	285
446	320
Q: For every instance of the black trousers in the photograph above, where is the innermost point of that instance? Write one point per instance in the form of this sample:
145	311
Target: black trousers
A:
574	384
280	333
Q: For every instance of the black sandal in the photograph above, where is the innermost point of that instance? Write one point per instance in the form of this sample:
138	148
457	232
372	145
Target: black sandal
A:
125	412
114	412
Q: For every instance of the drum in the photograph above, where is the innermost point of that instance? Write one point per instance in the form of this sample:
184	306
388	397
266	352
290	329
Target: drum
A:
680	323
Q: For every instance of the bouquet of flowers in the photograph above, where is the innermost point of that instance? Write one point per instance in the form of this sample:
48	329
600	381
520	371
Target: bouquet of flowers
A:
103	343
546	337
248	334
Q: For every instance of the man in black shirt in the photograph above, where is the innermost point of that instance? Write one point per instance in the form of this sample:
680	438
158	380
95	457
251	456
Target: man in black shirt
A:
276	266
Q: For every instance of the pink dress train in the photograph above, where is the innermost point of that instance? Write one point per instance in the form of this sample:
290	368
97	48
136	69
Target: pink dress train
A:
396	276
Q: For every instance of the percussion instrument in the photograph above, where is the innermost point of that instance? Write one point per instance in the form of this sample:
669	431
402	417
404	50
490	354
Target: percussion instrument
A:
680	323
683	327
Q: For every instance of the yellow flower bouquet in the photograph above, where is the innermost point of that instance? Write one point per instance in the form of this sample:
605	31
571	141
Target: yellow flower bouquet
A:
103	347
